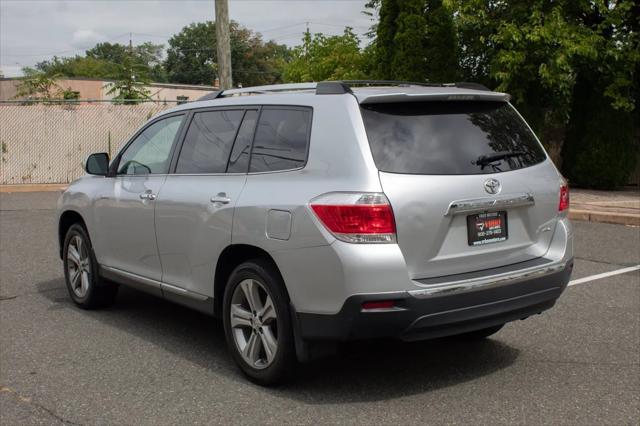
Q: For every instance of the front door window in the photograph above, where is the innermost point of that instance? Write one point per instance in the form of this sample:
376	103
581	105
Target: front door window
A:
150	152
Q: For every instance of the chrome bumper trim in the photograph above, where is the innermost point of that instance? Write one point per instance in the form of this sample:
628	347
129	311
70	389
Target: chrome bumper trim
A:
483	283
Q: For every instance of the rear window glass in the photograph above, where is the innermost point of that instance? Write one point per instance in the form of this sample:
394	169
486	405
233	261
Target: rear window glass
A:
449	138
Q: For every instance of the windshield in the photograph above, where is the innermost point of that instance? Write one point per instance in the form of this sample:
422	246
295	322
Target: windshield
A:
449	138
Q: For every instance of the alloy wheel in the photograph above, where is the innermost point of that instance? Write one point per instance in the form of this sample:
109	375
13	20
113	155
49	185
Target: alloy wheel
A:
78	266
254	323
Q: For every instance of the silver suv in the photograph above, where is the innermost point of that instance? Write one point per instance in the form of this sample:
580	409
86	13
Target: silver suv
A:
308	214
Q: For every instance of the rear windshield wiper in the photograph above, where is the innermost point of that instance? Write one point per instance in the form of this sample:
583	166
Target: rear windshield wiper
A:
483	160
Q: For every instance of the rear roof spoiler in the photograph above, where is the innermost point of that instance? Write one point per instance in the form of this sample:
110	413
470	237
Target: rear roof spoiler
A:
441	96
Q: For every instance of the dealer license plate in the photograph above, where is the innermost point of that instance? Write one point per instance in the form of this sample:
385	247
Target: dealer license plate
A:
487	228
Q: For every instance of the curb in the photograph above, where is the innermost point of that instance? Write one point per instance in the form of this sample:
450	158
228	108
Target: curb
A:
48	187
605	217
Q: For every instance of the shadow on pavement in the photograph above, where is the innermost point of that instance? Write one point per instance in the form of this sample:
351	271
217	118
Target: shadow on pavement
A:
363	371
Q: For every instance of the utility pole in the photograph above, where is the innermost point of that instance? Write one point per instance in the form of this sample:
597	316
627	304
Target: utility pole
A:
307	40
223	42
131	76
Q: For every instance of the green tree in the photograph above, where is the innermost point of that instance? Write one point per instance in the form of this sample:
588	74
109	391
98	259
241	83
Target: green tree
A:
36	85
599	151
111	52
408	52
372	9
78	66
129	86
192	56
385	33
538	50
150	56
322	57
602	147
440	43
416	40
105	61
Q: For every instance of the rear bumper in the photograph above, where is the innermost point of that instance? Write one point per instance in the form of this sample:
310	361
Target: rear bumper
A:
442	310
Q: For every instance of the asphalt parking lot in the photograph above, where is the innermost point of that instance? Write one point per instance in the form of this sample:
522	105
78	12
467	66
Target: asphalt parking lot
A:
146	361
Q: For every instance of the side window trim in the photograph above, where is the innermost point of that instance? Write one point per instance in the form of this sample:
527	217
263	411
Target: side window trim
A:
235	138
178	149
308	145
253	137
113	167
187	124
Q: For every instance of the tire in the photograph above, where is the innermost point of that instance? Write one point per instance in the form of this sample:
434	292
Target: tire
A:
480	334
255	329
85	287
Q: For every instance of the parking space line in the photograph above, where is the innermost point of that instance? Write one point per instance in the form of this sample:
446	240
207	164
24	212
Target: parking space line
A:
604	275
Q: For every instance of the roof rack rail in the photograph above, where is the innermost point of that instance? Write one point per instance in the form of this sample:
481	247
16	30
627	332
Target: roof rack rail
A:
388	83
332	87
209	96
344	86
256	90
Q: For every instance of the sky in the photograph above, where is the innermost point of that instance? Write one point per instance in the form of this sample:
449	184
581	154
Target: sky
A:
33	31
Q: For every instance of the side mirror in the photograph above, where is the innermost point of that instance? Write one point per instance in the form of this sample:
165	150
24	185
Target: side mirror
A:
97	164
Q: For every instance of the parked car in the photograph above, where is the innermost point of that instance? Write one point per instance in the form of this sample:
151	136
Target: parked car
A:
309	214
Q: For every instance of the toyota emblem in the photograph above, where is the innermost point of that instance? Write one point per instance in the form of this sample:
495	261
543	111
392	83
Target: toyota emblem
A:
492	186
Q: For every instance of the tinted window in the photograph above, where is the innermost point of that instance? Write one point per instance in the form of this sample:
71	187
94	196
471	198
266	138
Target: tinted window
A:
208	141
281	140
449	138
239	160
150	151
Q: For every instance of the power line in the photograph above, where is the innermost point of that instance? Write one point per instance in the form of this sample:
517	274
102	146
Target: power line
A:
275	37
153	35
239	70
167	36
279	28
65	51
339	25
288	36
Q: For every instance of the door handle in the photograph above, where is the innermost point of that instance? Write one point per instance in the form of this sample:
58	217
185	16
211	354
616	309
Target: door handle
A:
148	196
221	198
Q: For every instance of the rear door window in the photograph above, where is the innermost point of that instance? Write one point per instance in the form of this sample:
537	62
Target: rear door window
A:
449	138
282	139
209	141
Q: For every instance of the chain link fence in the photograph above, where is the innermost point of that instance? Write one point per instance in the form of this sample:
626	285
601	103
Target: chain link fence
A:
49	142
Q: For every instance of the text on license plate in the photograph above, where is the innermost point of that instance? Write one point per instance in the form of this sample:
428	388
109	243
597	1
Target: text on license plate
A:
487	228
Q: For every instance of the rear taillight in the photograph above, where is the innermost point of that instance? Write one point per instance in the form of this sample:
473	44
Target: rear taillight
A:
356	217
564	198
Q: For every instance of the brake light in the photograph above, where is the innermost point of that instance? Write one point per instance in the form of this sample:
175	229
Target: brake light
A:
356	217
564	198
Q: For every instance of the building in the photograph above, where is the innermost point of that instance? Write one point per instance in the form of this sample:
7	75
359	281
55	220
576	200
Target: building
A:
95	89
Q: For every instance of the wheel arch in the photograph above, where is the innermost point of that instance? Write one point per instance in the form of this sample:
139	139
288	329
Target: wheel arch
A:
229	259
68	219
